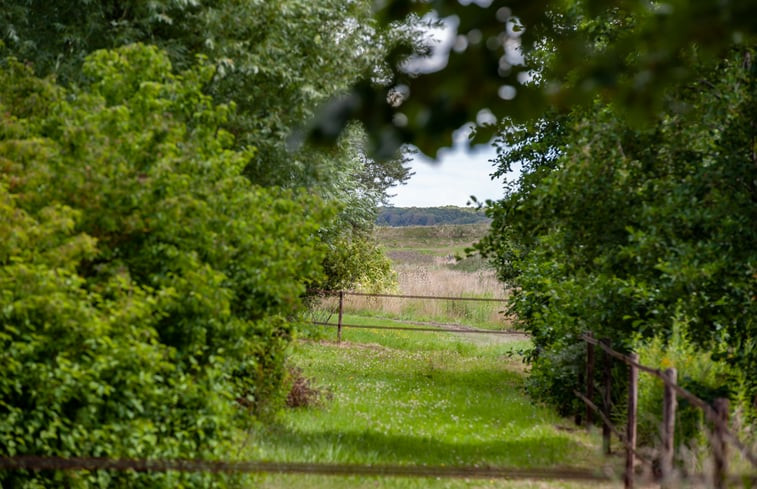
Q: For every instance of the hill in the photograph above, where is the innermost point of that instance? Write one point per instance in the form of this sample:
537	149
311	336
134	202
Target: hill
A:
428	216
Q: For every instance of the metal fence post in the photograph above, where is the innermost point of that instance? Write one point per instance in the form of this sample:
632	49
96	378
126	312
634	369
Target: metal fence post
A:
606	397
633	402
719	445
589	379
339	323
669	403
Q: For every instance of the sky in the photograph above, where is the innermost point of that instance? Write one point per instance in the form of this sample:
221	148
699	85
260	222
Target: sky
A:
459	173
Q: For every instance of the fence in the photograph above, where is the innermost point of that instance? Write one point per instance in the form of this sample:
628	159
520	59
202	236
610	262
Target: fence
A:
716	414
332	469
340	324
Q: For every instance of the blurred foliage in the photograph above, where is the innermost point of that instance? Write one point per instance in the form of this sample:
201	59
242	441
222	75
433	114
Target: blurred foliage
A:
146	284
629	52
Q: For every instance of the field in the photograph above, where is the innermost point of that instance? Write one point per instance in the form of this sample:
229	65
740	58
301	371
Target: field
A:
418	398
426	260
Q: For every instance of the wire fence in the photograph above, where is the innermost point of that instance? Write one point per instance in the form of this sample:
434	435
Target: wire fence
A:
422	329
400	296
339	325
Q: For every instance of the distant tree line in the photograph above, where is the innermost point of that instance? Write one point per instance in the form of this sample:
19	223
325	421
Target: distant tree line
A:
428	216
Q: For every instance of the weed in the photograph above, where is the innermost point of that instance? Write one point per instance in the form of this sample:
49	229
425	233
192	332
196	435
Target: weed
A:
302	392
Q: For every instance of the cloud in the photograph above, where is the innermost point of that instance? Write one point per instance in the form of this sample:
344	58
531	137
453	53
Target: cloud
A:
460	173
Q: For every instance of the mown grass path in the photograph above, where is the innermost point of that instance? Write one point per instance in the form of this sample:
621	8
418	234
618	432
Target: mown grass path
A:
418	398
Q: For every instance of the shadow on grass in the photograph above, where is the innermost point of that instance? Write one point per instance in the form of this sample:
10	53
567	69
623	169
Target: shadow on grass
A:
376	447
408	424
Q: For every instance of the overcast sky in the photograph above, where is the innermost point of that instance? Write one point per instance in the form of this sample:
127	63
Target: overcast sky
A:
459	174
460	171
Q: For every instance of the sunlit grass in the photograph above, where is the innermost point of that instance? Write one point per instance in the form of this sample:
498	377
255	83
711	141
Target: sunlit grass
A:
463	343
404	397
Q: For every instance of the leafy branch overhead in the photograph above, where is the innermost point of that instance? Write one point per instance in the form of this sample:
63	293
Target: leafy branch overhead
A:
626	52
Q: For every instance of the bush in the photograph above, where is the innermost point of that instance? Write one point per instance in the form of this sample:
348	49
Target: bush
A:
145	282
697	373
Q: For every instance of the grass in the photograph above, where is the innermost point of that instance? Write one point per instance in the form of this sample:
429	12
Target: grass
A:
403	397
419	398
444	237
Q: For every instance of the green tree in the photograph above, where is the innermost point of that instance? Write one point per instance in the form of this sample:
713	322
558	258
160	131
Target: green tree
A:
630	232
276	61
146	284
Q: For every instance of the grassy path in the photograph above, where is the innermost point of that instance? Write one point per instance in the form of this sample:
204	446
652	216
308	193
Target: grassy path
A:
418	398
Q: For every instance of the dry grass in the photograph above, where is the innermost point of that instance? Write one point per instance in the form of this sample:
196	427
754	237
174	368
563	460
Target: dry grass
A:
442	282
302	392
424	259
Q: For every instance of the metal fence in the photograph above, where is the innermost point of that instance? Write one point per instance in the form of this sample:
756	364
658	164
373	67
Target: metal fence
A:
339	325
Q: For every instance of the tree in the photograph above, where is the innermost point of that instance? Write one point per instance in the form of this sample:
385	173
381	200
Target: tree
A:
146	283
637	232
276	61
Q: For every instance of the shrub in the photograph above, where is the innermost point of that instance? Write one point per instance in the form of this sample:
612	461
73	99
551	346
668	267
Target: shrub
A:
145	282
697	373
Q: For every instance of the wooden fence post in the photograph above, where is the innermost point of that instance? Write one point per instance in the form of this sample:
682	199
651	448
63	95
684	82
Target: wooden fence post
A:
339	323
589	379
633	401
577	418
606	397
719	445
669	404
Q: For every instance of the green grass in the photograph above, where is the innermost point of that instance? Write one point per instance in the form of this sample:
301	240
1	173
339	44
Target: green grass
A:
470	314
430	240
403	397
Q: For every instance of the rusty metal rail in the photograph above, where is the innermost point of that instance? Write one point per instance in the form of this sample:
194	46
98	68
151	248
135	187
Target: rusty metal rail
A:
422	329
333	469
400	296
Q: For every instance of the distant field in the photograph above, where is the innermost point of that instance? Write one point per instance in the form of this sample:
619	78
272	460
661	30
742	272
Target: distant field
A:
443	240
424	258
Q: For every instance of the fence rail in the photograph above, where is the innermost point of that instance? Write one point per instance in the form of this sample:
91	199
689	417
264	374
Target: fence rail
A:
469	472
423	329
400	296
40	463
339	325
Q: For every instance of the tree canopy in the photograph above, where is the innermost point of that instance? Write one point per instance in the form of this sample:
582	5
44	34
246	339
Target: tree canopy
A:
633	231
428	216
276	61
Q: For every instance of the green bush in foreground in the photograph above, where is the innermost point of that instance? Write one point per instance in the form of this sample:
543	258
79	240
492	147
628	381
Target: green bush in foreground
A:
144	281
